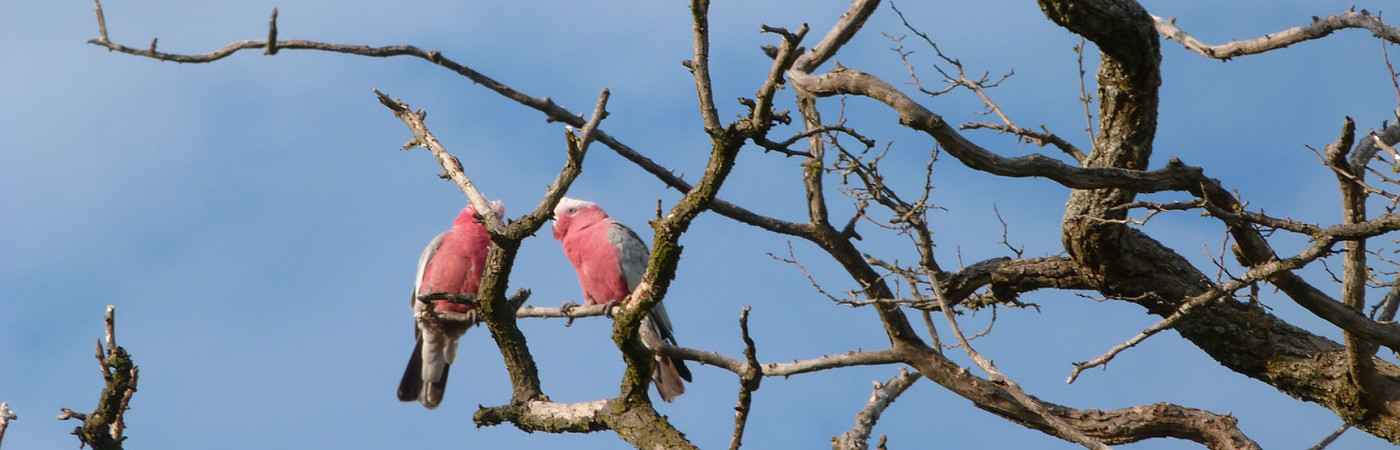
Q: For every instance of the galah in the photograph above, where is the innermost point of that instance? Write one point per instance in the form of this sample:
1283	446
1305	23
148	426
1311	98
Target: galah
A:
452	263
610	260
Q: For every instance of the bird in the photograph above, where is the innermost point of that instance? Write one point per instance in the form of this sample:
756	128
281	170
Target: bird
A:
610	259
452	263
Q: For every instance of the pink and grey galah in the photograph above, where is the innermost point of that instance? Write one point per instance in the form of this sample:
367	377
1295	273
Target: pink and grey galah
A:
452	263
610	260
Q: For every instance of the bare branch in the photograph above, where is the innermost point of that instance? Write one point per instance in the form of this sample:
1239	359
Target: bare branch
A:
787	55
1359	352
544	415
423	137
101	21
844	80
1085	98
749	381
561	313
848	359
700	64
839	34
1039	138
1331	437
782	147
1318	29
884	395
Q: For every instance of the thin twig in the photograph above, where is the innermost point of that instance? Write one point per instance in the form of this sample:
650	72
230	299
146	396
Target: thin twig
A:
781	147
792	259
1004	242
1039	138
1085	98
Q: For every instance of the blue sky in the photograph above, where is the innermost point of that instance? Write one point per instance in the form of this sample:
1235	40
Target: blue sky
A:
257	228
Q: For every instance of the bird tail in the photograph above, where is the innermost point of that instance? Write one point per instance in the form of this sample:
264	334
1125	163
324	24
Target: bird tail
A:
412	381
667	377
668	372
424	380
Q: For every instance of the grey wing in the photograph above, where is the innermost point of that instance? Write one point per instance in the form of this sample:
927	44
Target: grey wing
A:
632	259
428	253
661	324
632	254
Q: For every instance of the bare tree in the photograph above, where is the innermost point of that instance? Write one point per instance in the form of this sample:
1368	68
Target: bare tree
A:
1105	250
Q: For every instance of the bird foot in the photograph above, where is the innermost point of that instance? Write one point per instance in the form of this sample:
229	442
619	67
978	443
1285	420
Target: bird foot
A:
608	308
568	309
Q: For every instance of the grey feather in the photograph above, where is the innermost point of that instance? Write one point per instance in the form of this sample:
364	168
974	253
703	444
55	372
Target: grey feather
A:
428	253
632	253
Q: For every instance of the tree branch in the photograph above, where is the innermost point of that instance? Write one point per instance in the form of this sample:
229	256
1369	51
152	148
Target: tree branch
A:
845	28
749	381
1354	270
884	395
700	64
547	416
1039	138
1318	29
102	428
424	138
762	114
739	367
